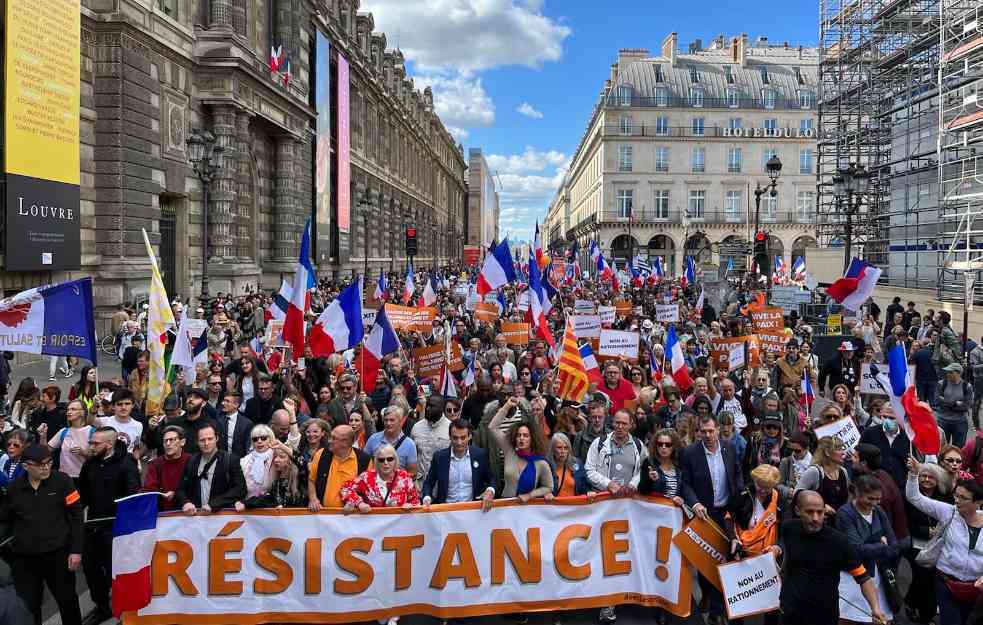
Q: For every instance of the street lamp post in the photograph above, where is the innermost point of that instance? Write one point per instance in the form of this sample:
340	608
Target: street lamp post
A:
364	206
206	160
850	184
774	169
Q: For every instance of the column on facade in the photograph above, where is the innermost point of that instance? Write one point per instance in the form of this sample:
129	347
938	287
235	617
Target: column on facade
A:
222	209
286	231
243	224
382	223
373	229
283	18
220	13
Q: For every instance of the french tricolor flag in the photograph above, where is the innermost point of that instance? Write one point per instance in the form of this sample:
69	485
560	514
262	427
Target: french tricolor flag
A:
498	269
590	364
689	276
853	289
799	268
340	325
916	416
409	287
679	371
538	304
448	388
655	367
381	341
281	301
808	395
381	288
134	538
660	271
293	324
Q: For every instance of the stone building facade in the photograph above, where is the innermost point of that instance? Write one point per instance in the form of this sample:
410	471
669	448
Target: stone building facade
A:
678	142
483	207
153	71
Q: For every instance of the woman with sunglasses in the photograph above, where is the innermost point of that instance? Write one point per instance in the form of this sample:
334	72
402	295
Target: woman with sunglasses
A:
951	460
11	464
959	568
637	379
827	475
660	472
73	439
385	485
795	464
257	465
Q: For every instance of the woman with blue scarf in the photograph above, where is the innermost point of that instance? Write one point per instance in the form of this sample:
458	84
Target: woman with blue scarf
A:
527	472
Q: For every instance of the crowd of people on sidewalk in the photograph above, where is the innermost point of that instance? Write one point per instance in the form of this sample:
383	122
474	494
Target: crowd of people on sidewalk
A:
253	427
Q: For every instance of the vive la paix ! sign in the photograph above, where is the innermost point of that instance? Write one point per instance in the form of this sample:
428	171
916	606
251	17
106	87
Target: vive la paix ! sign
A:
453	562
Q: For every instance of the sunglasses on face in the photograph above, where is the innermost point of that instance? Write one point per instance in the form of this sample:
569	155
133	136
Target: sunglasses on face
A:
665	445
41	465
387	459
452	410
952	460
348	388
257	439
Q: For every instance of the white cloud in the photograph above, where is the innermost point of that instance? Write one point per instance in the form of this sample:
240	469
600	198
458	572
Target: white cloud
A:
460	101
460	134
527	109
470	35
529	161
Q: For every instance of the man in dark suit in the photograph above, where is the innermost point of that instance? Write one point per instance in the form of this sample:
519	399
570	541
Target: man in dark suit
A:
712	481
461	472
893	443
212	479
233	427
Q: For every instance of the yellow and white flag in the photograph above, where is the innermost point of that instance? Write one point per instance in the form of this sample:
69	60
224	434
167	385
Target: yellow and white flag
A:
160	319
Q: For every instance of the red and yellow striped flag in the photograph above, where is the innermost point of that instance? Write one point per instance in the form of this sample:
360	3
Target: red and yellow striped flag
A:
573	375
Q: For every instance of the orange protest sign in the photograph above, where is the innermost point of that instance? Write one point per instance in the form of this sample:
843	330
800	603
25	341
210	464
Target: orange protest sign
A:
703	543
723	352
429	361
483	311
622	308
409	318
769	325
516	333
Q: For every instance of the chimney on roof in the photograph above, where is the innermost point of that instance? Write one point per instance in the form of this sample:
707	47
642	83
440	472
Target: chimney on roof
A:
613	78
670	46
627	56
761	42
739	50
718	42
695	46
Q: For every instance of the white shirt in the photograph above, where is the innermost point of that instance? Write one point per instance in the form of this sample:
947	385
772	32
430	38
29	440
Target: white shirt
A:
129	431
232	419
718	476
509	372
459	484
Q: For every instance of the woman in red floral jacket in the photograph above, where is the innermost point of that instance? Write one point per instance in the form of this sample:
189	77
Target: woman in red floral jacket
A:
384	486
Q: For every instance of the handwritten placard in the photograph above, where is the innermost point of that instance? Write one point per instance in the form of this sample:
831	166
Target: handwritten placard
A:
583	306
667	313
843	430
868	378
606	313
615	343
586	326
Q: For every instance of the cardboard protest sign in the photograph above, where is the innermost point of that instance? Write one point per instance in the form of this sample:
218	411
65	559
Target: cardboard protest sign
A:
667	313
751	586
429	361
522	302
622	307
516	333
843	430
615	343
583	306
409	318
705	545
868	379
722	351
769	325
483	311
606	313
586	326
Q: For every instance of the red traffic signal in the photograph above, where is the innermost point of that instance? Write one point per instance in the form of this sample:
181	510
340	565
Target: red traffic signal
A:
760	236
411	232
411	248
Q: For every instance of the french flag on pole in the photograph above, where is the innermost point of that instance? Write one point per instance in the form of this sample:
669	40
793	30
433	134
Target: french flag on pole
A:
799	268
134	538
853	289
281	301
498	269
381	288
916	416
689	276
293	324
654	366
340	325
679	371
808	395
409	287
590	364
381	341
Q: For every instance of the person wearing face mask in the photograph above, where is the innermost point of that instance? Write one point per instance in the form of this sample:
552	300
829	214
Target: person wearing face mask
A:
432	433
767	446
894	444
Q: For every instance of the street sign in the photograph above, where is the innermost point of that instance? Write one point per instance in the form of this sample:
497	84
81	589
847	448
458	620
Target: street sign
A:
789	297
735	249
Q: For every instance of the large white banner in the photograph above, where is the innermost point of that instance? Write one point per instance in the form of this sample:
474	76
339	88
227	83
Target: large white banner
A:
291	566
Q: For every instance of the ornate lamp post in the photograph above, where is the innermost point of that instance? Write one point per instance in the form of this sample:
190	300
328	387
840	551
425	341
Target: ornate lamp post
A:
206	160
774	169
850	184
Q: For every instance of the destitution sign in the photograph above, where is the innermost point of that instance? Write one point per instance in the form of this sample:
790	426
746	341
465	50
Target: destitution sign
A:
843	430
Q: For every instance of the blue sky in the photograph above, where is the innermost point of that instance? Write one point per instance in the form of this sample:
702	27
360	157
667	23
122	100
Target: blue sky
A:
519	78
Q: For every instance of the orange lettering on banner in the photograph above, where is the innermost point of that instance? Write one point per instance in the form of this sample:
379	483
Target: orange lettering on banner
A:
283	575
611	546
561	552
344	557
769	325
312	566
163	568
457	546
528	566
402	547
219	566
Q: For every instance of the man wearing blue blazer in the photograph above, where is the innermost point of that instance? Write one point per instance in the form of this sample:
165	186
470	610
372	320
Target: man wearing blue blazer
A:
460	472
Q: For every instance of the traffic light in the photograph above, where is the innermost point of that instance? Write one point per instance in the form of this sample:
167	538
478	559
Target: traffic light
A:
411	241
761	257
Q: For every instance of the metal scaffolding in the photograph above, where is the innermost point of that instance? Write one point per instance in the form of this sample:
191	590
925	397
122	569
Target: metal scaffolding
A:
878	108
960	169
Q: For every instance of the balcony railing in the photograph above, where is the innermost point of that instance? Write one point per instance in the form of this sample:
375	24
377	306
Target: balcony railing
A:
641	217
654	130
776	104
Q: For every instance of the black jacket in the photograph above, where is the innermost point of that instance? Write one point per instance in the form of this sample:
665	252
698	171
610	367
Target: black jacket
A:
104	480
832	372
240	437
438	478
259	410
55	419
228	483
894	456
697	485
154	437
43	520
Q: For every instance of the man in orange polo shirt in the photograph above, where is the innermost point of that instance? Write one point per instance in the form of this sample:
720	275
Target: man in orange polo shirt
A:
332	467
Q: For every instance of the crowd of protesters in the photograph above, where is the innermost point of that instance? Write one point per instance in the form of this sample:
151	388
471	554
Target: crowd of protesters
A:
254	427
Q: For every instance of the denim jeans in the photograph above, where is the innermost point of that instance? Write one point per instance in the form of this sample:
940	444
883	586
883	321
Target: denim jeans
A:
926	391
955	431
